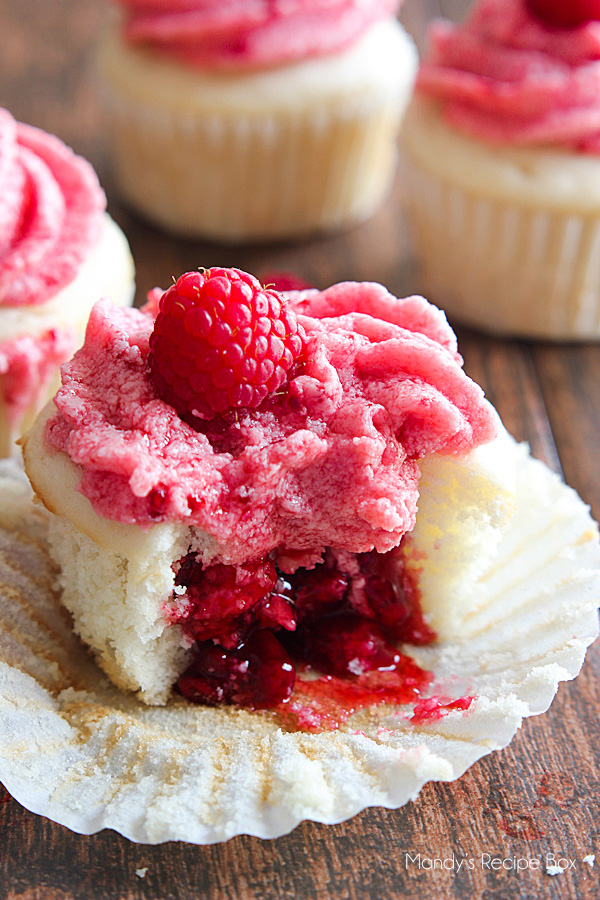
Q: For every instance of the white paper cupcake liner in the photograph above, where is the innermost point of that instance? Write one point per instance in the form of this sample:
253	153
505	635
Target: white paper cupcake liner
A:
500	245
75	749
213	157
505	269
253	179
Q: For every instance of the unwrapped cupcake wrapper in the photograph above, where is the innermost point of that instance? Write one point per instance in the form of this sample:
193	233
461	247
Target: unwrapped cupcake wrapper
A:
504	268
235	177
77	750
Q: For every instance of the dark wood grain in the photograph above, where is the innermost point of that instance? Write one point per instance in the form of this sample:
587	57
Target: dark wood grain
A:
542	794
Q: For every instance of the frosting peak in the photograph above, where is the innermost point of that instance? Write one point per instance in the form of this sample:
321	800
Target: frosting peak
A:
247	34
506	76
51	209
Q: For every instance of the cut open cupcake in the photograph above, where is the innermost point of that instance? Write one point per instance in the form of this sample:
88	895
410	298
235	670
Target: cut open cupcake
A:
258	498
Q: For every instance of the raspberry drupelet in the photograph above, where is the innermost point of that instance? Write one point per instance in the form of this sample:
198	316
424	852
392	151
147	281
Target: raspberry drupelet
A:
221	342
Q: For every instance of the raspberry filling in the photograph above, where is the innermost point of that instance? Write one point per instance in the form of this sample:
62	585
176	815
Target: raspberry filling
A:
258	633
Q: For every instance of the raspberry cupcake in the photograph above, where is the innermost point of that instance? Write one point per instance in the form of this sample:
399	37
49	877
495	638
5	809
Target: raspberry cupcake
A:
59	253
256	499
503	144
255	121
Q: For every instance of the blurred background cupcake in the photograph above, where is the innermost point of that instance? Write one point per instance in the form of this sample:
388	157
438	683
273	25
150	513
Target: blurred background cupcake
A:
503	144
59	253
255	120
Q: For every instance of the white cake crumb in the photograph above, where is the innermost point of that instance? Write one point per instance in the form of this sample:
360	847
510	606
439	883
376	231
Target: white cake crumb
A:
141	873
590	859
465	505
554	870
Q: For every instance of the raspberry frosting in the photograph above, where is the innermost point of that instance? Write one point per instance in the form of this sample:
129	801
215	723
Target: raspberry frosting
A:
27	365
508	77
329	462
246	34
51	209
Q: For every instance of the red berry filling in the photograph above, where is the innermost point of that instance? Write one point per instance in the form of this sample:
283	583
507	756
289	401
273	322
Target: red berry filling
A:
342	644
225	603
317	592
430	709
392	598
328	702
260	674
221	343
565	13
255	628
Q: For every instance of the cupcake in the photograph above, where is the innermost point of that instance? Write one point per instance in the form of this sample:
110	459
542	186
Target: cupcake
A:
241	121
258	500
59	253
503	145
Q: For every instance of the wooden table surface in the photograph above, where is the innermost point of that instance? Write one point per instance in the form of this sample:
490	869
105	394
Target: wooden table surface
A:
539	796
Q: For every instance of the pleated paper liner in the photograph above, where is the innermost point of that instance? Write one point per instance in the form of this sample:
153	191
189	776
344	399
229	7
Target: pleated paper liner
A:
538	271
269	155
75	749
508	237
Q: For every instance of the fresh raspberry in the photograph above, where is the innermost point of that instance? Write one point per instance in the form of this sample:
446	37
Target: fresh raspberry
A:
221	342
565	13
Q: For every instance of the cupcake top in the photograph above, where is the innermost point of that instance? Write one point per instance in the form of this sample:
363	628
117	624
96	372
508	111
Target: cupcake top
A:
328	458
509	75
233	35
51	212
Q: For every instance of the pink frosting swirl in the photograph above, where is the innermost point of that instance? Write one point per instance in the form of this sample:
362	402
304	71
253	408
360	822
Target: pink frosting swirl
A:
329	462
51	209
28	365
245	34
506	76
